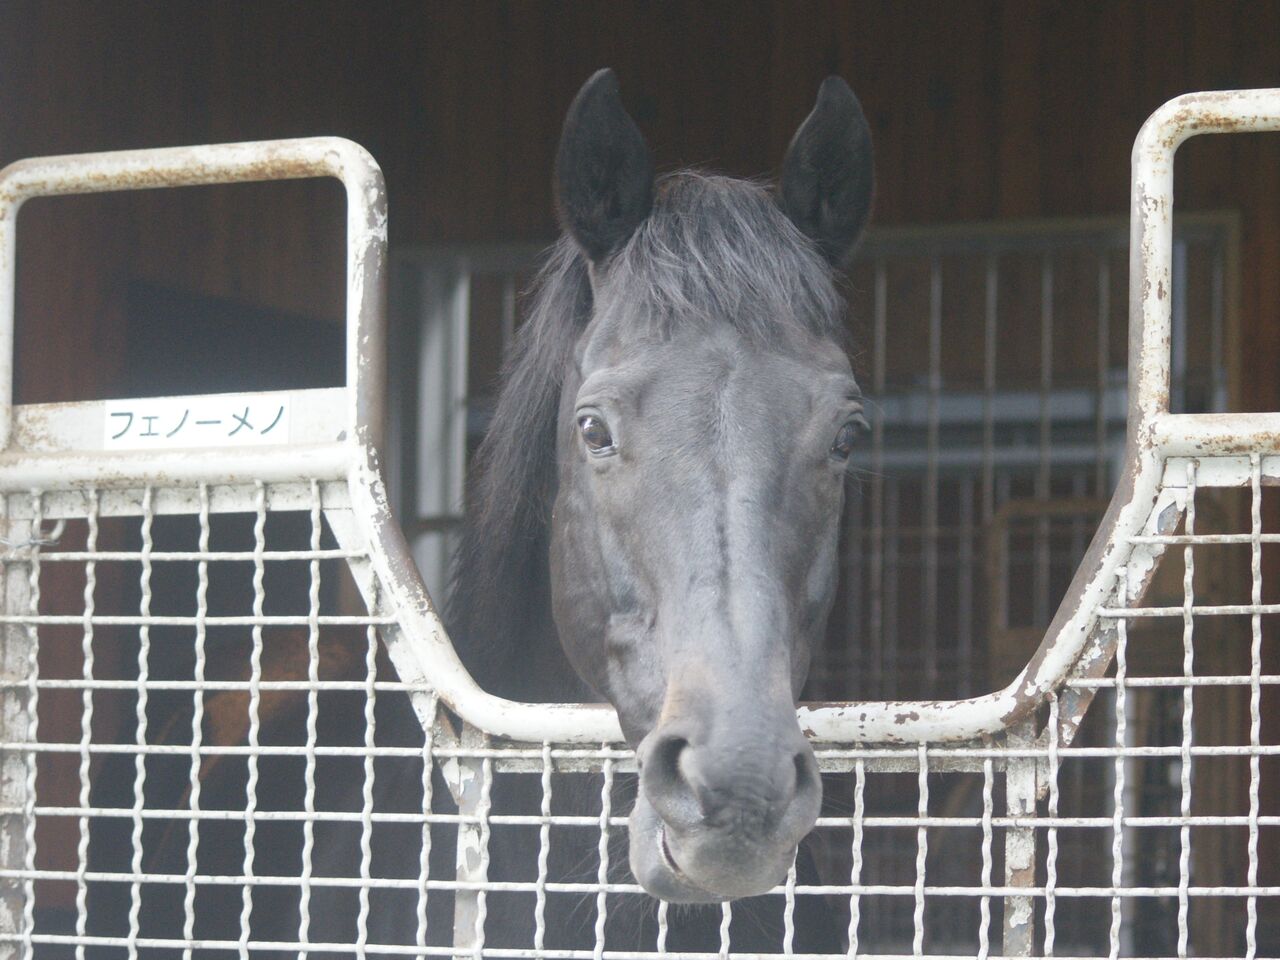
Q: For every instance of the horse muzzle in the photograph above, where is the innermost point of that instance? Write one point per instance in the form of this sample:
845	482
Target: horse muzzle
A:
720	817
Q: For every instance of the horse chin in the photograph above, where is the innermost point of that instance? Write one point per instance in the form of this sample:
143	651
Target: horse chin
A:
669	868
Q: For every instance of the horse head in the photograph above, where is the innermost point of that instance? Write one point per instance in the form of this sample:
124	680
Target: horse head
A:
687	346
704	431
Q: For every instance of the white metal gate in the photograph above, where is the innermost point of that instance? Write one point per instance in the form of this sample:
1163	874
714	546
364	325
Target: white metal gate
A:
238	634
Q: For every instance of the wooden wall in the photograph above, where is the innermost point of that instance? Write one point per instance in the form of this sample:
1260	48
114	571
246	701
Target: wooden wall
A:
981	110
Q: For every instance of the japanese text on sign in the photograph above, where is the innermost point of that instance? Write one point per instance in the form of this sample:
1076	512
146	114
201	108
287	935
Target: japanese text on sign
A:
231	420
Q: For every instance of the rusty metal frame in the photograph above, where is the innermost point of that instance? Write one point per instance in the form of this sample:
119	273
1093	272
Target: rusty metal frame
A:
334	157
1142	504
52	453
419	645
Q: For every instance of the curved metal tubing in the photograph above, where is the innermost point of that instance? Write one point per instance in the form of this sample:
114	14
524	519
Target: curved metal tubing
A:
228	163
1139	505
420	646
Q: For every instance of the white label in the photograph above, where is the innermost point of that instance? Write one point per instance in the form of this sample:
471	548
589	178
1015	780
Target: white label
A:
230	420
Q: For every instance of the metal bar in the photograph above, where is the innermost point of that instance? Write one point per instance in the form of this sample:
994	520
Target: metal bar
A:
906	891
989	387
140	725
1178	329
602	868
514	953
1051	839
1151	227
929	622
962	823
32	647
544	854
424	852
896	760
878	532
229	163
15	655
508	326
1020	849
855	869
1188	670
1217	334
890	658
1101	487
204	556
146	620
964	601
1079	526
988	842
853	575
1043	474
86	735
367	789
1118	770
444	317
197	727
922	850
105	469
470	781
254	706
1255	697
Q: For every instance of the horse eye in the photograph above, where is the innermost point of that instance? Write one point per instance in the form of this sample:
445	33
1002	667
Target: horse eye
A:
842	446
595	433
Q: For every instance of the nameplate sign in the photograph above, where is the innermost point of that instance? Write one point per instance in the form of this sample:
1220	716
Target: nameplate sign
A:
225	420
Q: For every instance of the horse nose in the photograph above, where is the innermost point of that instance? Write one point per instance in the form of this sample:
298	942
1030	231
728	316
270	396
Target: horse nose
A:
745	781
728	788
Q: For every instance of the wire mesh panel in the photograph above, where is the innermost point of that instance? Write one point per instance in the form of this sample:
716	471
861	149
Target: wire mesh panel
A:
223	759
234	725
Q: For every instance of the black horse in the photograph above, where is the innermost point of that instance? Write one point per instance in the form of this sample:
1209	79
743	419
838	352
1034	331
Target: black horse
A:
661	489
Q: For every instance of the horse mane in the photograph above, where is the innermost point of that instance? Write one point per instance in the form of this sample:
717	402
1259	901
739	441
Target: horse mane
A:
714	250
500	596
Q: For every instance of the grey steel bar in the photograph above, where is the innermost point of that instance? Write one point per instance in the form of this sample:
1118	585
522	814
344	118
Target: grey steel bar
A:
1020	848
876	622
965	563
929	546
989	388
1103	374
1044	478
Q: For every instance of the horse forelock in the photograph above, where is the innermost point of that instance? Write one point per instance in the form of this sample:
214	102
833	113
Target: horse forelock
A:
719	250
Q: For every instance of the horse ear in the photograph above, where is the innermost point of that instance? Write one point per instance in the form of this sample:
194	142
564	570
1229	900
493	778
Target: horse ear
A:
827	174
604	172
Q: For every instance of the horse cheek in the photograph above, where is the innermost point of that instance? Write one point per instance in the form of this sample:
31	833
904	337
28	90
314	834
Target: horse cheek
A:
578	607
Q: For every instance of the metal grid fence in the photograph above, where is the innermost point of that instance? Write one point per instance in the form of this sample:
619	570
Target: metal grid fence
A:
245	772
232	723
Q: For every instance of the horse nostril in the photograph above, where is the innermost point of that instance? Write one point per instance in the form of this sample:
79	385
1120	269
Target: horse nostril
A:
807	777
730	783
663	775
662	765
